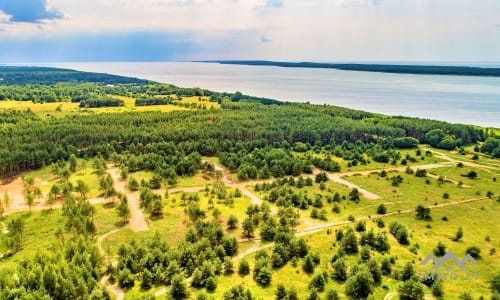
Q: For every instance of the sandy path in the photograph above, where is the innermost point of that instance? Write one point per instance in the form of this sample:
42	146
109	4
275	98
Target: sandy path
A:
137	221
115	290
362	191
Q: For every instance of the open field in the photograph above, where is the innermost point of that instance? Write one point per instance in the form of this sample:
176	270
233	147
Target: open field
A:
478	224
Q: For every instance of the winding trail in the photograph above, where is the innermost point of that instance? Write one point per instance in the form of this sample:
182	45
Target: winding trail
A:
111	288
137	221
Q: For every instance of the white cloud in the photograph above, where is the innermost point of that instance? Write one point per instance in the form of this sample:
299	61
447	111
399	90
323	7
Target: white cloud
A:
299	29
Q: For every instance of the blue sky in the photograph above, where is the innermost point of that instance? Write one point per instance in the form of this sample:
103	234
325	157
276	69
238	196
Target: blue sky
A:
296	30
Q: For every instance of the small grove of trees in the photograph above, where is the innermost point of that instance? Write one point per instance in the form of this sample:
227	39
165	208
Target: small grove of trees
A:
152	101
123	209
15	234
400	232
101	102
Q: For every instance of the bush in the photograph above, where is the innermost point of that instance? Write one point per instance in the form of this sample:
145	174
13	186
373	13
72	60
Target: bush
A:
238	292
423	213
495	284
381	209
473	251
411	290
440	249
263	276
317	283
339	270
399	232
332	295
126	278
243	268
360	284
421	173
459	234
465	296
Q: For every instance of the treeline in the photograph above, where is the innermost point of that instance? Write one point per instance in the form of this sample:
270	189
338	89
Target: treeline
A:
45	75
35	142
101	102
381	68
153	101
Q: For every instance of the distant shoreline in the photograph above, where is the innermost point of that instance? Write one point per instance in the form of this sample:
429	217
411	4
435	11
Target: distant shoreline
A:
379	68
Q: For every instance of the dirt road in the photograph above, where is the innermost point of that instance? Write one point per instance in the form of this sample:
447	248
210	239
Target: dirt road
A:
137	221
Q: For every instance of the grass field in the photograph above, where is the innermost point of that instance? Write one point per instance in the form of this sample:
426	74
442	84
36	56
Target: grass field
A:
479	223
61	109
478	220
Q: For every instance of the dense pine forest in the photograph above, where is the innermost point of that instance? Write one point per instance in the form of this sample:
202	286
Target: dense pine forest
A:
286	149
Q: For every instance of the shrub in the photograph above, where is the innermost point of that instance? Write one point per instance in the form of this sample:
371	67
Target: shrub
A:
440	249
473	251
243	268
381	209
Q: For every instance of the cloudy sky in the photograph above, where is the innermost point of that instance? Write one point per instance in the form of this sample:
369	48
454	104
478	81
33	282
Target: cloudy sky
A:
296	30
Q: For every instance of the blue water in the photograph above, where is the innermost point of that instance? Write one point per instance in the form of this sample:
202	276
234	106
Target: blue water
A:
457	99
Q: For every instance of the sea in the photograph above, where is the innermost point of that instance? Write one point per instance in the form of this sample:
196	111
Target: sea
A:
456	99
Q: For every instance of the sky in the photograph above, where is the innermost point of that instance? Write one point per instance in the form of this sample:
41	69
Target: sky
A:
285	30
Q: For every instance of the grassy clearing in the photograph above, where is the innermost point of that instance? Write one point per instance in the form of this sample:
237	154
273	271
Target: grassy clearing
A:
106	218
62	109
412	191
44	109
39	234
478	223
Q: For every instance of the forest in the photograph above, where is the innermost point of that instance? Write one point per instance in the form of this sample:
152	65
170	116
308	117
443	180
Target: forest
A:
288	153
381	68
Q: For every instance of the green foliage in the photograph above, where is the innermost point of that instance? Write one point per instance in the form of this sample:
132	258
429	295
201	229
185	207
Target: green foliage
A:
101	102
354	195
495	283
440	249
262	273
381	209
407	272
491	146
473	251
123	209
459	234
399	232
152	101
178	289
349	242
360	284
339	270
421	173
317	283
248	227
133	184
405	142
423	213
238	293
411	290
244	268
232	222
15	232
